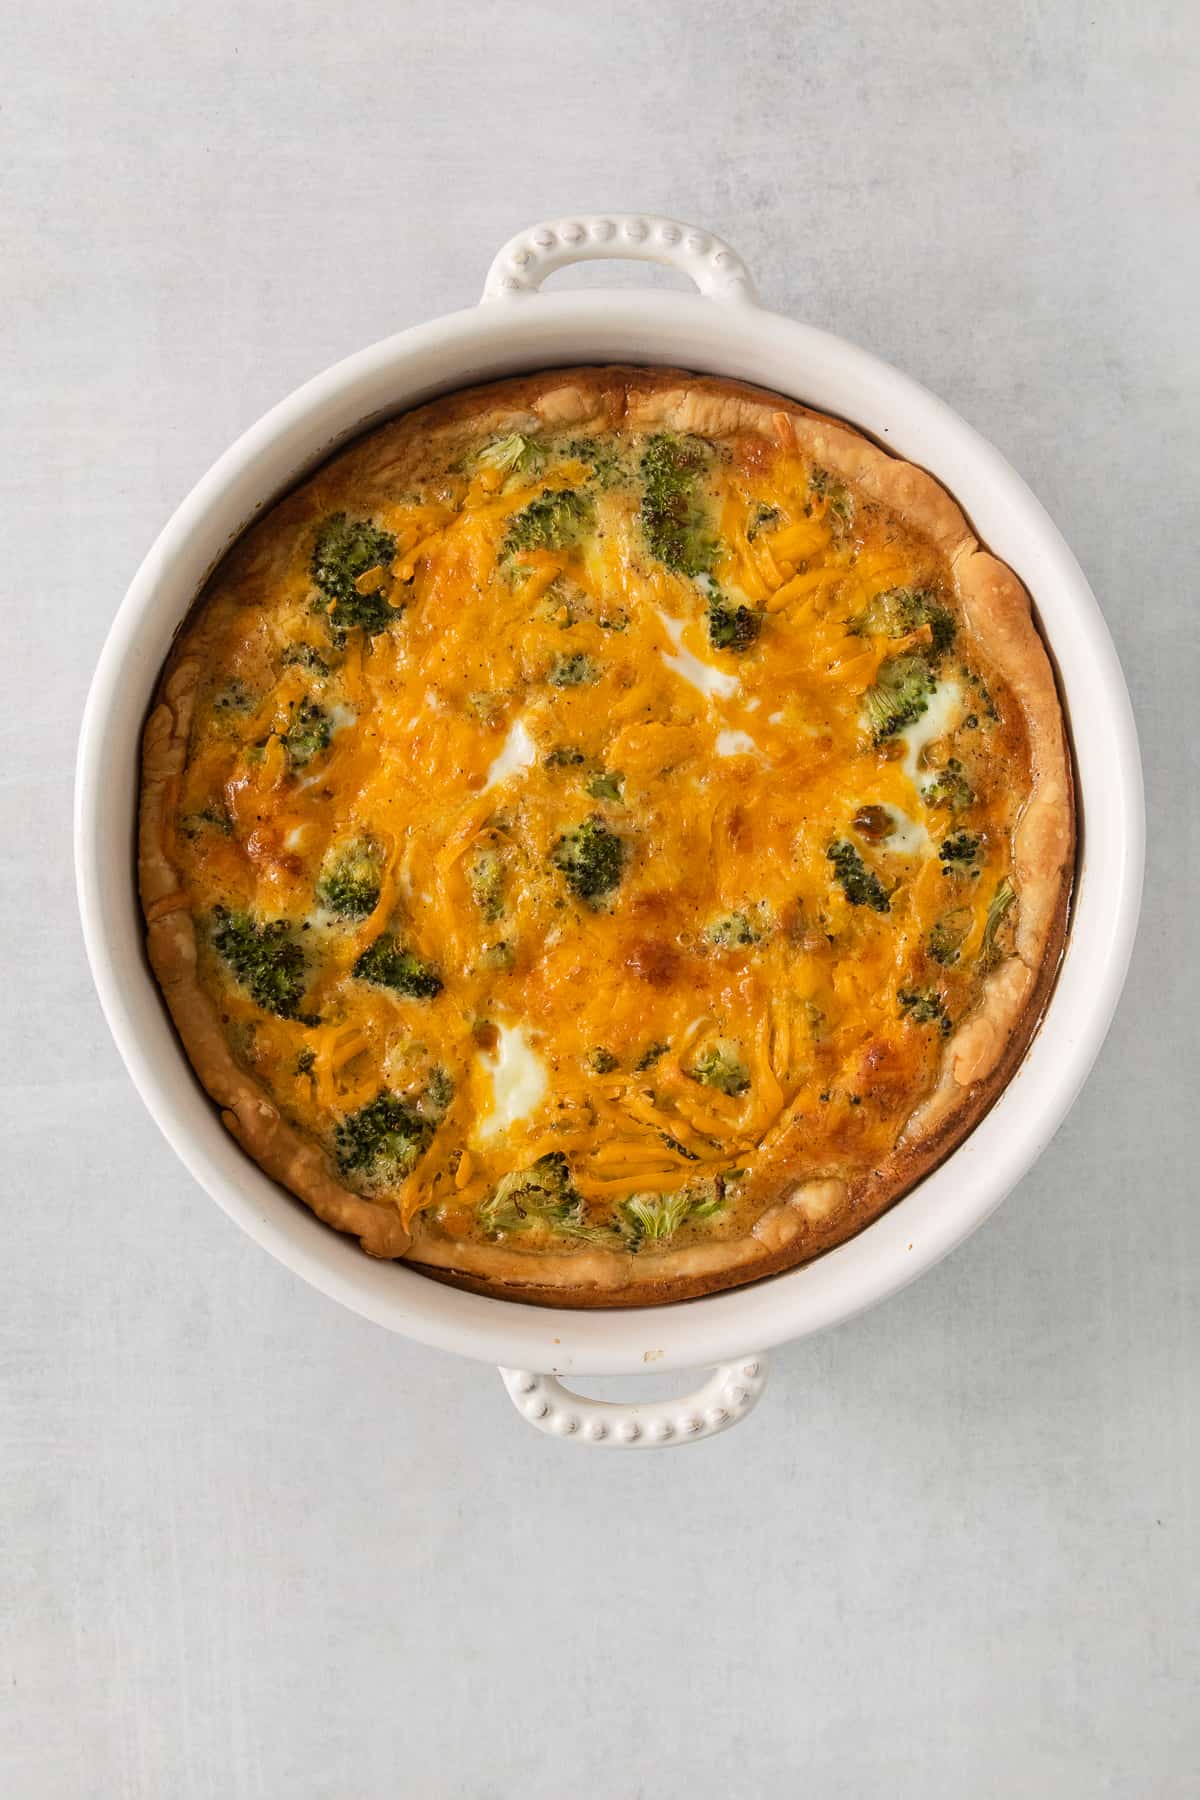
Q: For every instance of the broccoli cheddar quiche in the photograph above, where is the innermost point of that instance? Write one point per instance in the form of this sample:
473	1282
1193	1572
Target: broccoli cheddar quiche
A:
606	835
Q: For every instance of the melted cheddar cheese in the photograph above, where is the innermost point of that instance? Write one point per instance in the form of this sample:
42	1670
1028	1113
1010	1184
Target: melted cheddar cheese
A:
577	829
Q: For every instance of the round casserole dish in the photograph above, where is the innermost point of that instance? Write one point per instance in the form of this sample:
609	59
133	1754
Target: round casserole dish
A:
720	331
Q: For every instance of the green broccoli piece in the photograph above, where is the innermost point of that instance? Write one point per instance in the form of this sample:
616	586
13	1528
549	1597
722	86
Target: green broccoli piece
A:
309	732
924	1006
650	1056
731	626
381	1142
485	878
601	1061
591	858
577	670
510	454
344	551
900	696
605	786
761	519
947	936
387	964
349	880
603	455
540	1195
555	520
999	907
949	787
840	501
895	612
673	517
738	930
721	1067
959	851
861	886
439	1092
264	958
652	1218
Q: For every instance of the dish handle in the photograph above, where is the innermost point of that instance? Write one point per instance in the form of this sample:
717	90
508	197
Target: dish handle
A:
525	261
729	1395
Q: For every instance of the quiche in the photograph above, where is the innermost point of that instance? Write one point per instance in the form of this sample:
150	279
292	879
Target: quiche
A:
606	835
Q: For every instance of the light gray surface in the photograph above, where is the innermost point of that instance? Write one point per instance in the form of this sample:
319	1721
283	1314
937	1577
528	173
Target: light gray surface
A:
255	1547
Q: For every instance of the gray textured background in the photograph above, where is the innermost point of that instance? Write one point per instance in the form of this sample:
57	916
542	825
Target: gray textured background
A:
254	1546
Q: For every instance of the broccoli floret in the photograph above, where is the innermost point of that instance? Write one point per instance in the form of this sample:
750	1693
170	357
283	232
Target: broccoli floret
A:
387	964
308	733
655	1218
651	1218
439	1092
573	671
721	1067
543	1194
508	454
949	787
999	907
565	756
485	878
946	938
650	1056
738	930
837	496
601	1061
605	786
959	850
381	1143
731	626
900	696
346	551
603	456
674	520
895	612
924	1007
861	886
761	519
264	958
555	520
349	880
591	858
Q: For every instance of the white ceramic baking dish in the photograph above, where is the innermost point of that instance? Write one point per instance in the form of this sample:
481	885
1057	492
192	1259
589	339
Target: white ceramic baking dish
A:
721	330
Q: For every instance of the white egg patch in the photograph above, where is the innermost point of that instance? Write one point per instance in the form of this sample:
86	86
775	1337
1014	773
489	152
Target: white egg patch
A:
707	680
519	1082
735	743
907	837
940	716
517	753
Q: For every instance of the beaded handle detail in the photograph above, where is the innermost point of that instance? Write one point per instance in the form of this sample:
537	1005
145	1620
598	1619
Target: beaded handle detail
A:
520	268
729	1395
